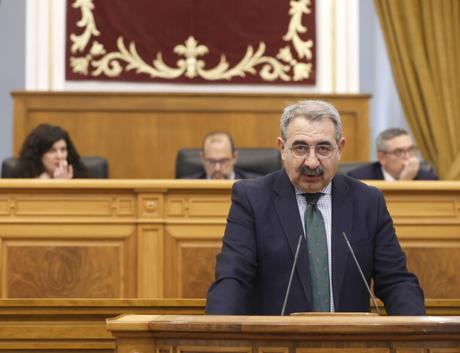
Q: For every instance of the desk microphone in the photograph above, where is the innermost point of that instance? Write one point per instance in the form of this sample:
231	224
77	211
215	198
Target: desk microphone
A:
361	273
288	289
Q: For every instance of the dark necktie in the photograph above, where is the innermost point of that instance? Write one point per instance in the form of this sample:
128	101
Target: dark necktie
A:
317	252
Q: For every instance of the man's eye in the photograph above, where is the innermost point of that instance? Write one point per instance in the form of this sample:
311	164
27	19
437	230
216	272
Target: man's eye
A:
301	148
323	149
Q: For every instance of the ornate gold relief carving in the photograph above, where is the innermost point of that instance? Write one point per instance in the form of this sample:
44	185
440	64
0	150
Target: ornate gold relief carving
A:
151	206
285	66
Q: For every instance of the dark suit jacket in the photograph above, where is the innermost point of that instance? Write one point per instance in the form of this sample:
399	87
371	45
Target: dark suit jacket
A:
373	171
261	236
239	174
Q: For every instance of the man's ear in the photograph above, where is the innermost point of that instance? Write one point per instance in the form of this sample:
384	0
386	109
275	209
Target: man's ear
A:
280	142
235	155
341	146
381	157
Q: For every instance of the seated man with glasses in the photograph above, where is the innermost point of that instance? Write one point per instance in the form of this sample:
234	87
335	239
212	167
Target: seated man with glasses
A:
219	156
397	159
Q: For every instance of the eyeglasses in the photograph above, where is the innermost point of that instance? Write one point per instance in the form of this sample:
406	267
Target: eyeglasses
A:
214	162
400	152
322	150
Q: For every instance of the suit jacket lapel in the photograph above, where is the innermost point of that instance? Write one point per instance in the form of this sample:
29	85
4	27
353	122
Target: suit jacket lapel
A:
288	213
342	211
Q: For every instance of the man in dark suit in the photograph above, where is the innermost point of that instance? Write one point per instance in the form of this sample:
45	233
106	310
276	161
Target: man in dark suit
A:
270	214
397	159
218	157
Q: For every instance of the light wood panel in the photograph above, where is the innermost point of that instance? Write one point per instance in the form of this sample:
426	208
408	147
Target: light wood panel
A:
140	133
298	334
61	325
159	238
78	325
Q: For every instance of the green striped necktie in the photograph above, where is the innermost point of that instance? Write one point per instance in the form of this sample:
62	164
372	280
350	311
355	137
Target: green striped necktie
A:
317	253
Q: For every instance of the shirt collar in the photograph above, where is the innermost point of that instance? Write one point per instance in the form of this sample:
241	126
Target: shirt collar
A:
326	190
387	176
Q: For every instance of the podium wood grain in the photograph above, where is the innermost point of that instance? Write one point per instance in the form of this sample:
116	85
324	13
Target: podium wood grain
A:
79	325
289	334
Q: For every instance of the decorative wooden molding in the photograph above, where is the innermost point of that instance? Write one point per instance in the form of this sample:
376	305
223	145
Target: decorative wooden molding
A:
159	238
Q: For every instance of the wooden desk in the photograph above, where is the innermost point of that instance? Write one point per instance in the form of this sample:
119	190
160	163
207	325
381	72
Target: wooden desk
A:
159	238
269	334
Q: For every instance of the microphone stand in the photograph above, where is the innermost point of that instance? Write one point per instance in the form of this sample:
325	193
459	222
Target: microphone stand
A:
361	273
288	289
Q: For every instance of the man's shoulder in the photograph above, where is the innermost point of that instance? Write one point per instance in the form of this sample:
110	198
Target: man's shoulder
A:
265	182
354	186
368	171
244	174
425	175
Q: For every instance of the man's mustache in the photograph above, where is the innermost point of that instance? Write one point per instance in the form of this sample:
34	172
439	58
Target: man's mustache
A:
305	170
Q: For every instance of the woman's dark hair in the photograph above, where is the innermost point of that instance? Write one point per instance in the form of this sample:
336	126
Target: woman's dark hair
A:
37	143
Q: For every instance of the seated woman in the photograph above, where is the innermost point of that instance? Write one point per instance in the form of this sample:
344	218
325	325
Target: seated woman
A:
48	153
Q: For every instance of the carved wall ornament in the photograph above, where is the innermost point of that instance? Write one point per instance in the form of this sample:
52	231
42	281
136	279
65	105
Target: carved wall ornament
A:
292	63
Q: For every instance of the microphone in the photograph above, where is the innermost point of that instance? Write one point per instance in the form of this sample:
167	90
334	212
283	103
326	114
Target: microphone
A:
288	289
361	273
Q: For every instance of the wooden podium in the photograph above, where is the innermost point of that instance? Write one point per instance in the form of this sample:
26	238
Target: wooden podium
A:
336	333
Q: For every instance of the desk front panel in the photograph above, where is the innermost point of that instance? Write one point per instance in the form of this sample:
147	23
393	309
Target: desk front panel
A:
159	238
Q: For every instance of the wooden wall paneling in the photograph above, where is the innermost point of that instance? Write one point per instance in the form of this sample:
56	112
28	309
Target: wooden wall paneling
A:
68	262
194	245
191	264
428	227
140	133
159	238
150	251
151	257
441	280
67	245
74	325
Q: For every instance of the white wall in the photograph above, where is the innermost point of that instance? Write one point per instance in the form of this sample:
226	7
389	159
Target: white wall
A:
12	57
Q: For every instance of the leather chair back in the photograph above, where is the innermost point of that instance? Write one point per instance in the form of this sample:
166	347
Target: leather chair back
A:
259	161
98	167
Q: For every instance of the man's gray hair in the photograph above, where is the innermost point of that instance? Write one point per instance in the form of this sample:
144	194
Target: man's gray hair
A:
312	110
386	135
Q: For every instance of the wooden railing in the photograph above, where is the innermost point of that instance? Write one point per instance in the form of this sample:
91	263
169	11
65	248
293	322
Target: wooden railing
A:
159	238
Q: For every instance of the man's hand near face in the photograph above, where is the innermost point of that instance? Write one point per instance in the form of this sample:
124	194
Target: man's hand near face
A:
410	169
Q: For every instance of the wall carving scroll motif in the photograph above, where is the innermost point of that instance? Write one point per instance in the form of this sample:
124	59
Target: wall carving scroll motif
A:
232	41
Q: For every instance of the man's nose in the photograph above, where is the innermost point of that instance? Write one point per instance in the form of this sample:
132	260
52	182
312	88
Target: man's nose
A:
311	160
217	166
